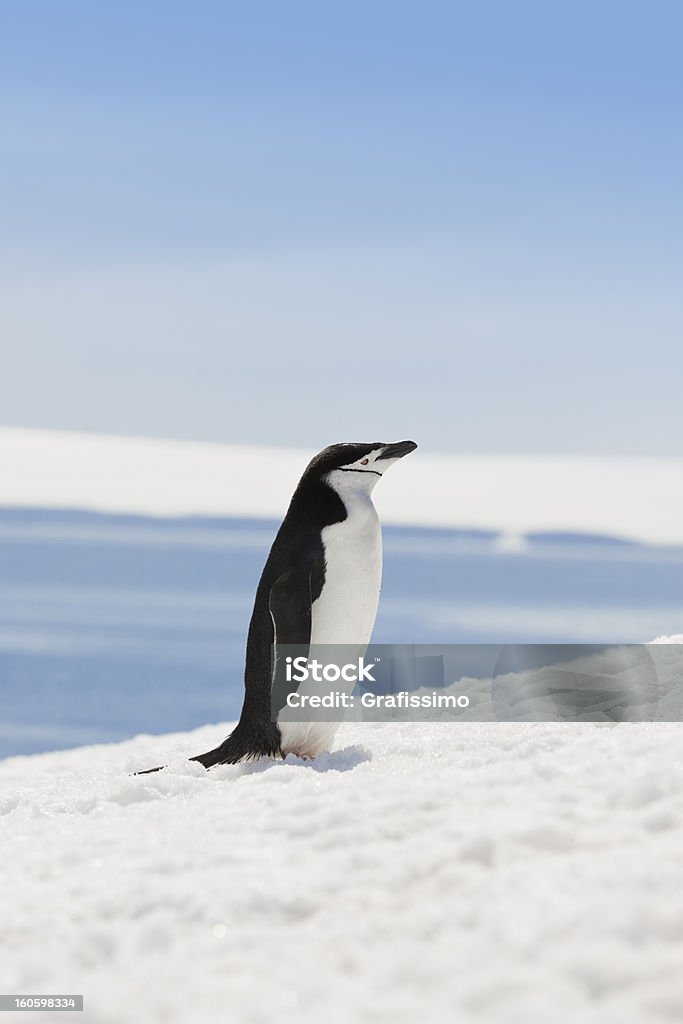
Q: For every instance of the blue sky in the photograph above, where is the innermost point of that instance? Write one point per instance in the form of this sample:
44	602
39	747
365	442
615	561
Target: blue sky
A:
300	223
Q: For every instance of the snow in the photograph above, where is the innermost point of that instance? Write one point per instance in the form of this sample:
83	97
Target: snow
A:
640	498
474	872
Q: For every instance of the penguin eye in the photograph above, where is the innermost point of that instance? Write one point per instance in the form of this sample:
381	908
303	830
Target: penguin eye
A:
364	462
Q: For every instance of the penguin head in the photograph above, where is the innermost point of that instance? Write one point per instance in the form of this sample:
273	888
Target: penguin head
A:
354	467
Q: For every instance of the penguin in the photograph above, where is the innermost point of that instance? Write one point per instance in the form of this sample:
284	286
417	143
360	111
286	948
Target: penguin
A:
320	585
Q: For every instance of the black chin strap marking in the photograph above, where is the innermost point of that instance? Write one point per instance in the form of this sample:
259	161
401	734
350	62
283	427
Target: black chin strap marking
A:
342	470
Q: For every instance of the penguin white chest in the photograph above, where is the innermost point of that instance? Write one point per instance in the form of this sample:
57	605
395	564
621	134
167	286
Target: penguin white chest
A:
345	611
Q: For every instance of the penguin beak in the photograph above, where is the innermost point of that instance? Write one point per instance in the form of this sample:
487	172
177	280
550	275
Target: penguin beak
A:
397	451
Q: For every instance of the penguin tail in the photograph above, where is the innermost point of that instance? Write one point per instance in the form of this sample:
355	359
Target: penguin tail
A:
212	757
243	745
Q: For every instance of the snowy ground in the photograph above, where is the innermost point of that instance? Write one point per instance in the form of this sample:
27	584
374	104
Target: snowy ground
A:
472	872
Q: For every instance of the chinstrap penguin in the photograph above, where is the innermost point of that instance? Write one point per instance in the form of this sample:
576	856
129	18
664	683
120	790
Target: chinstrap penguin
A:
320	585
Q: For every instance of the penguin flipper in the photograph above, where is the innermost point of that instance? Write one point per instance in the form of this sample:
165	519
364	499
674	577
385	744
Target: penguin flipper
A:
290	609
290	606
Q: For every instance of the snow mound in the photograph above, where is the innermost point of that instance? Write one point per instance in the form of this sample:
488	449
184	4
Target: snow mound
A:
493	872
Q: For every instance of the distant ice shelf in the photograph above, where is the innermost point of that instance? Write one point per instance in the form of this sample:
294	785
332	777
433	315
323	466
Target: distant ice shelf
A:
638	498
